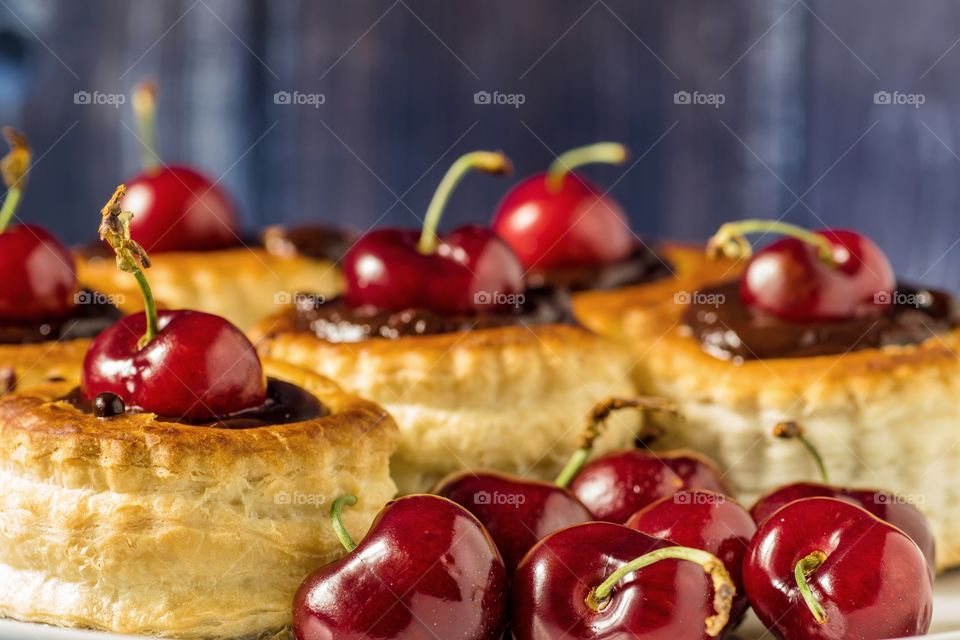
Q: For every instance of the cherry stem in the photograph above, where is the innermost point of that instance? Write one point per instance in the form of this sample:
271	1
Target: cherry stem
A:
599	152
145	112
723	587
730	240
493	162
341	531
597	420
802	572
131	257
14	167
790	430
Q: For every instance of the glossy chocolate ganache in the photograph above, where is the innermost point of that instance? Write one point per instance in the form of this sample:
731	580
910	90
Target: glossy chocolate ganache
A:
729	329
92	314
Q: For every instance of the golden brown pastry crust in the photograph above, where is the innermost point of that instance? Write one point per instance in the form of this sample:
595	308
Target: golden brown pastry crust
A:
35	364
244	285
510	398
136	525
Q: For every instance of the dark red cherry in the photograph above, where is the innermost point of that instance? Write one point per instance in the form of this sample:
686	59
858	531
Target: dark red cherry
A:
426	569
516	512
603	581
39	280
616	485
470	270
197	367
827	275
703	520
824	569
559	219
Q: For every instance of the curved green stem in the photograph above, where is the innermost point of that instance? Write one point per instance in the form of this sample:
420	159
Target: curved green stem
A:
493	162
145	113
597	420
14	166
730	240
790	430
723	587
602	152
801	573
10	202
149	307
341	531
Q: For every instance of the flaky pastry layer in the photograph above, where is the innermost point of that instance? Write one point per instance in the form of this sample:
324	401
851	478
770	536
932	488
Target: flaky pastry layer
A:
139	526
39	363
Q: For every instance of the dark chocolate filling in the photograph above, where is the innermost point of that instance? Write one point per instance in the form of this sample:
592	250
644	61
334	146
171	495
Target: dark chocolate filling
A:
286	403
86	320
641	266
729	329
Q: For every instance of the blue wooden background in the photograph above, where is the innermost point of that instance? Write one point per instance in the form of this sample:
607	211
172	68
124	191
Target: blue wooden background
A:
800	133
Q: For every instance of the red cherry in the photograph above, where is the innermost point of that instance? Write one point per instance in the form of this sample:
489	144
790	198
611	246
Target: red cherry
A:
178	209
824	569
197	367
703	520
39	280
426	569
559	219
600	581
831	274
468	271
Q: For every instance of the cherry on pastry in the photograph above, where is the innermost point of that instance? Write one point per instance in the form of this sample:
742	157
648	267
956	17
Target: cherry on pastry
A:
886	505
39	280
175	207
469	270
824	569
826	275
559	219
599	581
518	512
703	520
185	365
426	569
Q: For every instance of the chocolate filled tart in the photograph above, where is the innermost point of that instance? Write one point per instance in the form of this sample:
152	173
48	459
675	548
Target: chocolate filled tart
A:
728	329
286	403
85	321
641	266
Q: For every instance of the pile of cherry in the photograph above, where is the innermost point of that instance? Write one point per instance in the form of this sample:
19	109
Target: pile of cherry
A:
633	544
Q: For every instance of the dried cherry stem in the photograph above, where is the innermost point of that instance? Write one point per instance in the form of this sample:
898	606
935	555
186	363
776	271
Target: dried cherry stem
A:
802	573
596	421
131	257
145	112
723	587
493	162
790	430
341	531
599	152
730	239
14	167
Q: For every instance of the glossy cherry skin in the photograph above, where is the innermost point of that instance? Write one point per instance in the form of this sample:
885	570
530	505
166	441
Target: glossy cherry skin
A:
198	367
789	279
471	271
573	226
176	208
703	520
516	512
427	569
39	280
887	506
874	582
618	484
667	600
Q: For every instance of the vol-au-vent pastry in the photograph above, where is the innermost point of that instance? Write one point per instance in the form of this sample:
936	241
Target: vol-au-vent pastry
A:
817	331
572	236
476	370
